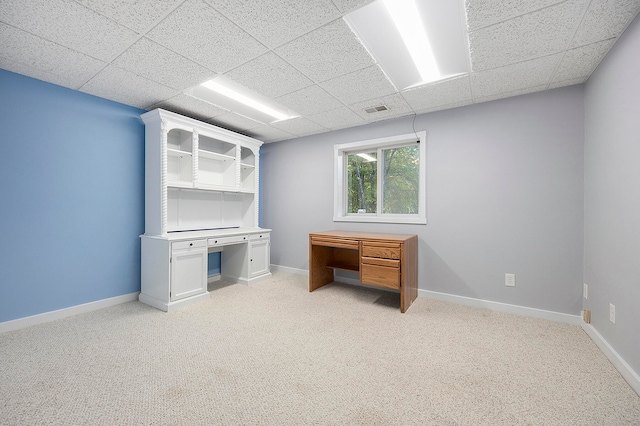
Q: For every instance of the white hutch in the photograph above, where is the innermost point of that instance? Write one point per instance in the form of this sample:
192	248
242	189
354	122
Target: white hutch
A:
201	196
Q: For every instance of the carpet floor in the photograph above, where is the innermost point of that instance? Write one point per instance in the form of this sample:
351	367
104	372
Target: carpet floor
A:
274	354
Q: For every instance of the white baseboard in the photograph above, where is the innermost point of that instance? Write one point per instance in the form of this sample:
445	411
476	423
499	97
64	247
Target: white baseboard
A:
503	307
469	301
25	322
213	278
625	370
295	271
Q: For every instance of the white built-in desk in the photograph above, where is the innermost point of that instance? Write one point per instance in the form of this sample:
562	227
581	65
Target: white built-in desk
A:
201	195
174	266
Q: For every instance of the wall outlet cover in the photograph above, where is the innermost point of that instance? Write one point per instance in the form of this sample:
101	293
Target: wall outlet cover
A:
510	280
612	313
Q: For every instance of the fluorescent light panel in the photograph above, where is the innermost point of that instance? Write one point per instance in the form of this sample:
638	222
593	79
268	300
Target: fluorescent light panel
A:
225	93
415	43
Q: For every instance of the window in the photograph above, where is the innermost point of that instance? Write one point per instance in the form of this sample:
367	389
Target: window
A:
381	180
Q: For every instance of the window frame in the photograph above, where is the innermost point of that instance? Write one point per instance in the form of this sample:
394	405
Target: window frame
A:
341	152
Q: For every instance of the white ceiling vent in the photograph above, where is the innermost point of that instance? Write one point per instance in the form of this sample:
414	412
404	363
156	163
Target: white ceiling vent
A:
376	109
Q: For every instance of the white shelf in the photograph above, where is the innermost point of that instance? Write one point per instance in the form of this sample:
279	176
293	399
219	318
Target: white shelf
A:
215	155
219	188
178	153
179	184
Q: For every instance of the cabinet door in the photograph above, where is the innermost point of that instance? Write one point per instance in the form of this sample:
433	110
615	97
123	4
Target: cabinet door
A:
259	258
188	272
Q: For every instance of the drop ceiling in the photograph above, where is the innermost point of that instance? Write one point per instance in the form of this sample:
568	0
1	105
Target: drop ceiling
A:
299	53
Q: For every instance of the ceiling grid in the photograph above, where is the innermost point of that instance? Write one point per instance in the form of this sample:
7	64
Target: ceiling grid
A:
302	55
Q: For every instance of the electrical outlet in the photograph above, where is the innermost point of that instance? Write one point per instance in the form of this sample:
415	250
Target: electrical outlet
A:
612	313
510	280
585	291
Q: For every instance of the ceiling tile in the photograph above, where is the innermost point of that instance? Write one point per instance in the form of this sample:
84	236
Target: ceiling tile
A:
137	15
520	76
198	32
536	34
69	24
269	75
338	118
445	92
605	19
564	83
299	126
345	6
510	94
192	107
157	63
361	85
310	100
33	56
275	22
445	107
327	52
269	134
396	107
483	13
126	87
235	122
580	62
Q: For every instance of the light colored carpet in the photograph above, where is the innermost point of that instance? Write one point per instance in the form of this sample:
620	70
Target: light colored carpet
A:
274	354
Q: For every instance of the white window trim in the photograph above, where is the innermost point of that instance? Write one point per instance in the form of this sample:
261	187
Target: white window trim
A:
340	152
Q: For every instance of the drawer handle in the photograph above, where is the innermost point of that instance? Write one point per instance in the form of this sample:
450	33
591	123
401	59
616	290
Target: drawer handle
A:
215	242
190	244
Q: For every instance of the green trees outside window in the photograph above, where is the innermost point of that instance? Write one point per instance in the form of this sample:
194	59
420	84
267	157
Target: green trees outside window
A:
399	171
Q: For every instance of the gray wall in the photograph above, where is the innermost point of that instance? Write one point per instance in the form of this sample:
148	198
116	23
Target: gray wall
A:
612	196
504	195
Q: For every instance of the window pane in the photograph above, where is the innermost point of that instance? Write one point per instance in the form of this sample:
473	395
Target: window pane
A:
401	180
362	182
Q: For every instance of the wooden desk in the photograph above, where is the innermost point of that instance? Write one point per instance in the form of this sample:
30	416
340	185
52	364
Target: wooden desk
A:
383	260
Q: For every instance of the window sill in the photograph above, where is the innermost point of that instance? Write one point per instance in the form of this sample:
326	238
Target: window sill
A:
381	219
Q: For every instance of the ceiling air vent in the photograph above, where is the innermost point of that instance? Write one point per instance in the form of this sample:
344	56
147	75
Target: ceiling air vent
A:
376	109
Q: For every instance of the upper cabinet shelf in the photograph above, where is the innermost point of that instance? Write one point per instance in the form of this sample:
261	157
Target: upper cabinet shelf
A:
192	171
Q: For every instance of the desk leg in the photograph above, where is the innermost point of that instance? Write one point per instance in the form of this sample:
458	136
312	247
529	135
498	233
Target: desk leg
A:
319	274
409	289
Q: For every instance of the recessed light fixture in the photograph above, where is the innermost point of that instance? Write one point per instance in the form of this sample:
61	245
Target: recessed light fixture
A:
227	94
414	42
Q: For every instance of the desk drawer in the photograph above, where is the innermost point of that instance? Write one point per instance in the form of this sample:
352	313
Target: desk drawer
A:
380	275
183	245
335	242
382	250
223	241
254	237
389	263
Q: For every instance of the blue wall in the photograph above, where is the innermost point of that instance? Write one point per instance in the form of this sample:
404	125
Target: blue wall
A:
72	197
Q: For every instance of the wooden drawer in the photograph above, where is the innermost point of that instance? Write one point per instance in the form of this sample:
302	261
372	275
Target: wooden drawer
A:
380	275
382	250
335	242
390	263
